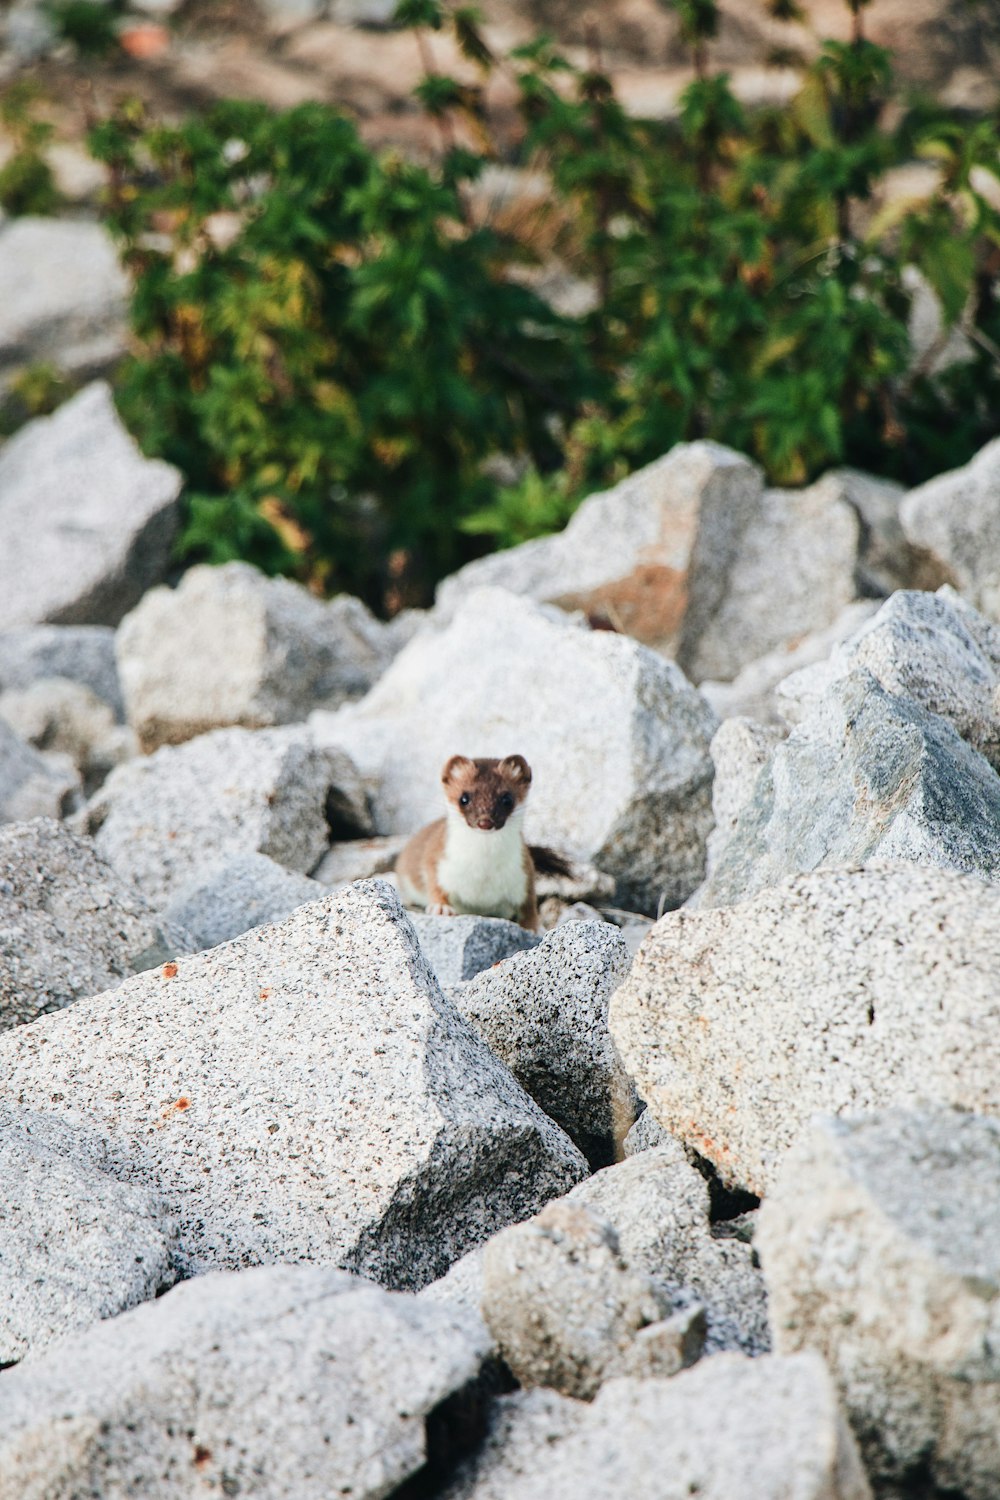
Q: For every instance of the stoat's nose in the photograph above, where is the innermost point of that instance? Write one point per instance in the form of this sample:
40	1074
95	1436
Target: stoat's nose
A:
485	823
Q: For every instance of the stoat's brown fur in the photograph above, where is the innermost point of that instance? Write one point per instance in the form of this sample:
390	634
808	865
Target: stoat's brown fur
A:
475	859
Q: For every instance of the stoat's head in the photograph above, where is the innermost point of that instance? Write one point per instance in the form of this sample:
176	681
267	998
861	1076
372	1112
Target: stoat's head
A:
486	792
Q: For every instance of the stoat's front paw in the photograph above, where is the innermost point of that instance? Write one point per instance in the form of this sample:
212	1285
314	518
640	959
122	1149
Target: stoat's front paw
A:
441	909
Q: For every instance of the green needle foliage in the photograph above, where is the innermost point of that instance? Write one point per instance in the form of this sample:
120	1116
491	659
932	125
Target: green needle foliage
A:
334	345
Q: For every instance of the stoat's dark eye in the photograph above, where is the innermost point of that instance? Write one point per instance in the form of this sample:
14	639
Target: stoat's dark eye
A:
464	800
507	801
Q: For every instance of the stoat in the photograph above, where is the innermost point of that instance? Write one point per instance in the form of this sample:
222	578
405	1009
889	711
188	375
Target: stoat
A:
475	859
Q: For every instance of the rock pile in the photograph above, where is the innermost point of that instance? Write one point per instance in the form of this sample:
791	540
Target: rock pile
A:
402	1167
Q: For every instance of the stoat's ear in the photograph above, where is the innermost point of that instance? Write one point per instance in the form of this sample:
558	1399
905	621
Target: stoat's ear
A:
458	765
515	768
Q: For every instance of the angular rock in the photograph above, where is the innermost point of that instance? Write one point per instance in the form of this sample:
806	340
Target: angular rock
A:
75	1245
459	948
563	1304
928	648
358	859
81	653
740	749
302	1093
659	1205
635	554
65	297
646	1133
762	1429
544	1013
838	990
881	1246
33	785
953	522
510	676
886	561
865	777
280	1381
57	714
229	793
462	1283
231	646
751	694
793	573
69	926
87	521
246	891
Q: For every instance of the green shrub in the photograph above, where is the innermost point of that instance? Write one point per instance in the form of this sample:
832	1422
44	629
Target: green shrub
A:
334	346
330	352
27	185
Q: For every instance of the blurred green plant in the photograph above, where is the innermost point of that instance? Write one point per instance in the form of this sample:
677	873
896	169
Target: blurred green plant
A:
27	185
91	25
336	341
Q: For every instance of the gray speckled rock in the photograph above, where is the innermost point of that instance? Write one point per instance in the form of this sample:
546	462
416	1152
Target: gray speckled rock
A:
161	820
839	990
866	776
510	676
545	1014
236	895
54	713
286	1381
462	1283
81	653
740	750
302	1093
33	785
646	1133
792	574
348	860
658	1205
75	1245
64	296
885	559
231	646
932	649
881	1246
760	1429
68	925
954	520
87	521
562	1302
459	948
752	692
636	553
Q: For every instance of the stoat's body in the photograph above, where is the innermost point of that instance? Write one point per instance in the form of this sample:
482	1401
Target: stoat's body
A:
475	859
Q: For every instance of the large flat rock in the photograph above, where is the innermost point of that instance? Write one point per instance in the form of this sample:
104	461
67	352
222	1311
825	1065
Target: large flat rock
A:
290	1382
838	990
69	925
880	1242
616	737
304	1093
87	521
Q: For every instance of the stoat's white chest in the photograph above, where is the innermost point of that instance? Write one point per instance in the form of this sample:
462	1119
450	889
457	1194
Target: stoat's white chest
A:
482	870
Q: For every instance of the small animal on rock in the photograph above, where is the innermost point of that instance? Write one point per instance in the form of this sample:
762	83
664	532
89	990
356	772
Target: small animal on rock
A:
475	859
